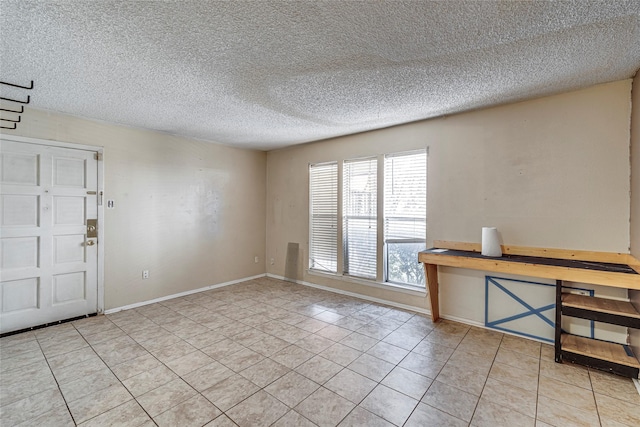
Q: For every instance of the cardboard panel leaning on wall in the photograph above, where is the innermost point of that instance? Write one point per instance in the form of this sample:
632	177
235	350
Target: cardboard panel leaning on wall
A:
190	212
550	172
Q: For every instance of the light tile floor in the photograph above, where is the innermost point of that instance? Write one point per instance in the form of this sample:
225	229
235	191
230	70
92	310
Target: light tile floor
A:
267	352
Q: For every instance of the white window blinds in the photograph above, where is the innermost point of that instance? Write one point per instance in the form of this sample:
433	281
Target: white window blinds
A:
405	216
360	217
323	206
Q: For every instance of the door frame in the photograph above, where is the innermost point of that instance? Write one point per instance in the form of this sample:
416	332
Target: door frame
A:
100	151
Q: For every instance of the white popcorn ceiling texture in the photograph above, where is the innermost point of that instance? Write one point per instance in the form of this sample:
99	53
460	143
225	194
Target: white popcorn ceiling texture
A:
268	74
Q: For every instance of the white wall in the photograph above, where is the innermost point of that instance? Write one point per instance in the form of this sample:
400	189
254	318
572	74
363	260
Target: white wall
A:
635	200
191	212
550	172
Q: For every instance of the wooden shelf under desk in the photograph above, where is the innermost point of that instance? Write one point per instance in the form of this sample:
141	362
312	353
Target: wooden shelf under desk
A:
621	313
593	352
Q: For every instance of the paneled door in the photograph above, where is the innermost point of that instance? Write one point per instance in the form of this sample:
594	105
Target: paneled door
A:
48	265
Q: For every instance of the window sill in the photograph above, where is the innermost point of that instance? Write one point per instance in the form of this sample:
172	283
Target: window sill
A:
410	290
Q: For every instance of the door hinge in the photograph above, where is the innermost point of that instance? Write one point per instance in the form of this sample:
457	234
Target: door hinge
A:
97	156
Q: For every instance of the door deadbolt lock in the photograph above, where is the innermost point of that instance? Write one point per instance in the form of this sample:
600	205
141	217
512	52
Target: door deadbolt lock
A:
92	228
90	243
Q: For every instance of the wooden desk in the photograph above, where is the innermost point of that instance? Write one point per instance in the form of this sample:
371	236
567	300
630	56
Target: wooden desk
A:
600	268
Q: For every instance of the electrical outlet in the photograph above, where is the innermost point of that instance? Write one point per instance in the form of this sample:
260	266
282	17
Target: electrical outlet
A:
256	260
145	274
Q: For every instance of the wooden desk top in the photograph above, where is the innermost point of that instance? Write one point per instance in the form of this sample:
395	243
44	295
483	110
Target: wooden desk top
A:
565	267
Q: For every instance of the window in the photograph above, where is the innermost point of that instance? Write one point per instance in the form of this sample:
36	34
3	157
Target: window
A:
323	209
382	221
360	217
405	216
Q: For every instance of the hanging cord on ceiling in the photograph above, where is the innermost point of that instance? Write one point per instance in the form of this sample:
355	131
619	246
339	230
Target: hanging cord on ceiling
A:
21	110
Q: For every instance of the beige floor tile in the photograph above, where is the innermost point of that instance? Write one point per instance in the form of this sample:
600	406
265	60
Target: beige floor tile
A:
341	354
82	386
207	376
489	414
555	413
318	369
292	356
193	412
221	421
249	337
79	370
149	380
205	339
104	336
269	346
77	356
403	339
517	360
334	333
527	380
241	360
433	351
128	414
620	411
463	358
324	407
575	396
521	345
189	363
314	343
389	404
135	366
351	385
229	392
222	349
387	352
260	409
566	372
312	325
469	379
56	417
358	341
467	361
614	386
22	382
31	407
422	365
446	338
371	367
451	400
293	419
374	331
264	372
119	350
292	388
425	415
512	397
361	417
26	358
407	382
174	351
98	402
547	352
165	397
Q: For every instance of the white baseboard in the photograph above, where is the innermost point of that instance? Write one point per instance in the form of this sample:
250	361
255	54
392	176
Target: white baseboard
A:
181	294
354	294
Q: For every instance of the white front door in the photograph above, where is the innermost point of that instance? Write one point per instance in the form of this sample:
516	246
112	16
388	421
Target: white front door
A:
48	265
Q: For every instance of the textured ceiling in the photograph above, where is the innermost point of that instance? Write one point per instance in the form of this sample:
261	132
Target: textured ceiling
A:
269	74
